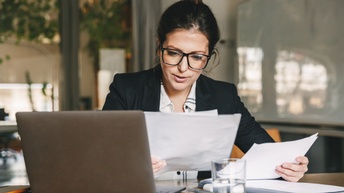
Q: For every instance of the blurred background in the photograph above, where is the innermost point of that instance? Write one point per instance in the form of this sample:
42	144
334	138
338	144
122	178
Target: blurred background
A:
285	56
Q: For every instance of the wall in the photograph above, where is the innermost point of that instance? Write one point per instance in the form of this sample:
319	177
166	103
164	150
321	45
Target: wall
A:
41	62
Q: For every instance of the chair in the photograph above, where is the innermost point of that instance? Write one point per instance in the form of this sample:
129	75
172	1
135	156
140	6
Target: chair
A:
273	132
7	138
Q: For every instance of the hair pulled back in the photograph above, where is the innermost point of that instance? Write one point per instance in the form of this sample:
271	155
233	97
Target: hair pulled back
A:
189	14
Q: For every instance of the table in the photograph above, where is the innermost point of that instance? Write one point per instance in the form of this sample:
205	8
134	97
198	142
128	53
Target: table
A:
336	179
8	126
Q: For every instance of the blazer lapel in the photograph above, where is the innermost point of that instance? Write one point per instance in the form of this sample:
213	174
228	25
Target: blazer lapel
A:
151	92
203	102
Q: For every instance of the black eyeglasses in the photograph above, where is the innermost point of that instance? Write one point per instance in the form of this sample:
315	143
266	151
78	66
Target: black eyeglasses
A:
174	57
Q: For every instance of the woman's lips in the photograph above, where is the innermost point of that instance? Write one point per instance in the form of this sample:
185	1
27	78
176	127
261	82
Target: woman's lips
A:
180	79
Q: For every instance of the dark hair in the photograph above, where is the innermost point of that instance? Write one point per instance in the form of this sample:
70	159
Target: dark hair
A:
189	14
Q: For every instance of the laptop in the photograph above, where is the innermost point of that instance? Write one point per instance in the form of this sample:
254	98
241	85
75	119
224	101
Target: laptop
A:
87	151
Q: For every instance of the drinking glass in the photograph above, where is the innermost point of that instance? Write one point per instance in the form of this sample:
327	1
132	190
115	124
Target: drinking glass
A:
228	175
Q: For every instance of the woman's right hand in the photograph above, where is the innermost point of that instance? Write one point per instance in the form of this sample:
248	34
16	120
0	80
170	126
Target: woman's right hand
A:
157	164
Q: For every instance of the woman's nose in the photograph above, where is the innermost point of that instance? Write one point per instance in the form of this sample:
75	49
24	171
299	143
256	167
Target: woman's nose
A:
183	65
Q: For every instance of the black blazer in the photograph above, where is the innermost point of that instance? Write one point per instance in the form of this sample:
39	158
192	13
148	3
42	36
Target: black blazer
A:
141	91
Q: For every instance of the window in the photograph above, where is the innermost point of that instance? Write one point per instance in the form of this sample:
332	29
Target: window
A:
301	82
250	77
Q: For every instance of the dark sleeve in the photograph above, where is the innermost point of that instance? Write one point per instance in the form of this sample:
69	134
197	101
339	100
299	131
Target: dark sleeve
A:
115	100
249	131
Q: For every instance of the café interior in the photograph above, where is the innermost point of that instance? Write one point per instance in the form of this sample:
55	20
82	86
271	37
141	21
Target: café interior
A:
284	56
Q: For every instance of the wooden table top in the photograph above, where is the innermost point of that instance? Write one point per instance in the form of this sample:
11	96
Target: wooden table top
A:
336	179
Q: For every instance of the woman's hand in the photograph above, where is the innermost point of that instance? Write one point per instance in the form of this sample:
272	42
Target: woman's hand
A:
157	164
293	172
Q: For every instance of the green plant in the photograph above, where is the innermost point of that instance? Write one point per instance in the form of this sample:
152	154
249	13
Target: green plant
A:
19	21
29	90
107	24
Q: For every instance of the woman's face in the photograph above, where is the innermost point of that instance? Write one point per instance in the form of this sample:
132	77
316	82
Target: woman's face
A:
181	77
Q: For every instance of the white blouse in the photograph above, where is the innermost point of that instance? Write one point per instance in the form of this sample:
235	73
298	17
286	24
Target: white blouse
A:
166	104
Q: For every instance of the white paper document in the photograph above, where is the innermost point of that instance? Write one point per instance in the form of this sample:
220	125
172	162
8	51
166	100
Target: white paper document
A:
280	186
190	141
262	159
294	187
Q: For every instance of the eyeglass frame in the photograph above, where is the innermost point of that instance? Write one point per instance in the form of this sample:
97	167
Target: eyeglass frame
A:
187	58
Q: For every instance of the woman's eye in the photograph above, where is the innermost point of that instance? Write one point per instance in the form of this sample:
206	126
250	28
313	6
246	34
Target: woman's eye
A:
173	53
197	57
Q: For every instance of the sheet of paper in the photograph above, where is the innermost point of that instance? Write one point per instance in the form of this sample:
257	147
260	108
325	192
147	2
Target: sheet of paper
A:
279	186
295	187
262	159
190	141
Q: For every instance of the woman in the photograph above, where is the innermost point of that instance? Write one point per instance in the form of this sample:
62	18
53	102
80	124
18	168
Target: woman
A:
186	36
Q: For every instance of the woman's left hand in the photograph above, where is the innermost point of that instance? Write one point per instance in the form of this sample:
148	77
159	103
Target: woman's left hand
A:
157	164
293	172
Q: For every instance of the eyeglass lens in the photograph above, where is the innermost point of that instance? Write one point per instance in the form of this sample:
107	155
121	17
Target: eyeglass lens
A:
174	57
